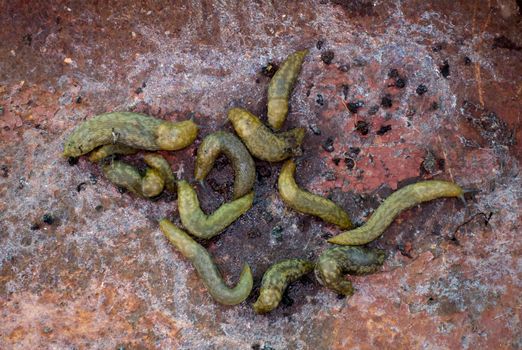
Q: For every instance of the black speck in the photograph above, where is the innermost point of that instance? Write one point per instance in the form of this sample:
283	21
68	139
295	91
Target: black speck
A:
315	129
354	151
346	89
354	106
437	47
467	61
81	186
48	219
4	170
79	99
35	226
362	127
350	163
445	69
327	56
421	89
269	70
336	160
400	83
256	347
144	85
328	145
341	296
258	81
319	44
344	68
93	179
386	101
384	129
27	39
393	73
434	106
373	110
121	190
139	90
320	100
72	161
98	208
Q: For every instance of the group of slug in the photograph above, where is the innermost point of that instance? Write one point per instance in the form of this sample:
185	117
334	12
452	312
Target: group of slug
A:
125	133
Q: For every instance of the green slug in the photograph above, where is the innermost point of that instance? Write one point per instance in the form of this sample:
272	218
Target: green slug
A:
207	270
280	88
108	150
334	262
130	129
160	164
276	279
398	201
201	225
224	142
156	178
308	203
263	143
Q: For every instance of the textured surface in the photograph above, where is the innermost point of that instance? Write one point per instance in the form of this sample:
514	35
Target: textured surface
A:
96	272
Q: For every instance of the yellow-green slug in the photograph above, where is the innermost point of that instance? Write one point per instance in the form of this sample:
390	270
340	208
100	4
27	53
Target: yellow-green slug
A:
224	142
206	268
309	203
276	279
208	226
398	201
280	88
263	143
334	262
130	129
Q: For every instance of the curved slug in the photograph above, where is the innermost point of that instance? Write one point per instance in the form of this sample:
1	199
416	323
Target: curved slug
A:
130	129
280	88
108	150
398	201
224	142
276	279
123	175
207	270
160	164
334	262
263	143
309	203
201	225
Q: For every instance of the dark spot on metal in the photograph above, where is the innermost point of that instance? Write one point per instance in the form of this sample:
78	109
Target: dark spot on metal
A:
327	56
328	144
72	161
437	47
81	186
320	100
400	83
319	44
467	61
386	101
384	129
79	99
93	179
445	69
421	89
434	106
35	226
362	127
98	208
48	219
336	160
349	162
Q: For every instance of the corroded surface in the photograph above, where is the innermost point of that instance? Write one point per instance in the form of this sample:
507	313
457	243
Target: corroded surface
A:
84	266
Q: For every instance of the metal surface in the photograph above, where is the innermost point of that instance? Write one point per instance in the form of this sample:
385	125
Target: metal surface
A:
83	266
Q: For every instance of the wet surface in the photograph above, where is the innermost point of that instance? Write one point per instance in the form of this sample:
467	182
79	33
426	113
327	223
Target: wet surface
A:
390	94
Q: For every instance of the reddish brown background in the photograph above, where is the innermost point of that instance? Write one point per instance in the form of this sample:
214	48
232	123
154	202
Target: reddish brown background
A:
100	275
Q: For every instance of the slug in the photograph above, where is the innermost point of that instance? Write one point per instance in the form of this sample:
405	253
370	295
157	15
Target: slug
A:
130	129
109	150
123	175
201	225
276	279
207	270
398	201
334	262
160	164
224	142
280	88
308	203
263	143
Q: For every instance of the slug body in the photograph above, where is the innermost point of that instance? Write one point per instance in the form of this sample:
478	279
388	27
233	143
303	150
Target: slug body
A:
123	175
398	201
109	150
309	203
207	270
160	164
276	279
224	142
263	143
280	88
201	225
130	129
334	262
